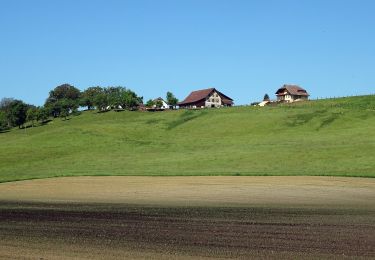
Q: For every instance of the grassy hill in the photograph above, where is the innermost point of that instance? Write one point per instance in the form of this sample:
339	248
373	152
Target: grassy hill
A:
325	137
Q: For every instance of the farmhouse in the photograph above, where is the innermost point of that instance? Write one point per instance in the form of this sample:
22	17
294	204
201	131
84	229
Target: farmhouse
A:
164	104
206	98
291	93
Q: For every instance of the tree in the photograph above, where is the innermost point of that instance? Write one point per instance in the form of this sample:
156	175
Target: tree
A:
5	102
129	99
53	107
67	107
17	113
31	115
42	114
158	103
171	99
5	106
114	96
63	92
3	121
88	96
266	97
101	101
150	103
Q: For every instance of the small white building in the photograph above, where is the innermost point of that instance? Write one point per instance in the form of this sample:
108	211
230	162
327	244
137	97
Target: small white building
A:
264	103
164	104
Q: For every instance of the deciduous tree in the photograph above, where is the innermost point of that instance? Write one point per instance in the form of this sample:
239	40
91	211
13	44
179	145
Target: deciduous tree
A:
43	114
150	103
171	99
5	106
63	92
17	113
158	103
3	121
88	96
31	115
129	99
101	101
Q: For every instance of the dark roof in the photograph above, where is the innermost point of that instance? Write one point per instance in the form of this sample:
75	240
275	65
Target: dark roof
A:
292	90
198	95
159	98
227	101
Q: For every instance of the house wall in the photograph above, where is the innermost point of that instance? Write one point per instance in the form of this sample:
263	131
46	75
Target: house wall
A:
302	97
164	106
290	98
214	100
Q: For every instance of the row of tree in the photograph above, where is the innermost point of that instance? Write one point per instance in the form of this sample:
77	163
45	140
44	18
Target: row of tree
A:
15	112
110	97
65	100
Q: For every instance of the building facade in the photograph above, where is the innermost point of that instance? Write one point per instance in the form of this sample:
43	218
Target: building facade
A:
162	101
206	98
291	93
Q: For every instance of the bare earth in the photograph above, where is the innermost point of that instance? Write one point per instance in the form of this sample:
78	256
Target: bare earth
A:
188	218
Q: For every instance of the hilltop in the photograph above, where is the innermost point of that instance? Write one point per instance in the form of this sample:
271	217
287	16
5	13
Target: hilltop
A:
325	137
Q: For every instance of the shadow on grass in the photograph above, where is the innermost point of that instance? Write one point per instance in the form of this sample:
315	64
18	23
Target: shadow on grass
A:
46	122
153	121
325	118
3	131
38	124
185	117
301	119
328	120
103	111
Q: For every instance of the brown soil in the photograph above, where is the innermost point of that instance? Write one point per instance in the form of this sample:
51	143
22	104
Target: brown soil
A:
71	224
198	191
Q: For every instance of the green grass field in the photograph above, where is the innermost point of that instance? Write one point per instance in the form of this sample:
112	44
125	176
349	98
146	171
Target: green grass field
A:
325	137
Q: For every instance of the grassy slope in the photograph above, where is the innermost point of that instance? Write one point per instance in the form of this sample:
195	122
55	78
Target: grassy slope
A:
326	137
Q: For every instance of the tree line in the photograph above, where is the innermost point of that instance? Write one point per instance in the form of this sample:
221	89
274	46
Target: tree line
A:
65	100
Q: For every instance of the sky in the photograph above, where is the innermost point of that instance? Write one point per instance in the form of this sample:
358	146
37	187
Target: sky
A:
243	48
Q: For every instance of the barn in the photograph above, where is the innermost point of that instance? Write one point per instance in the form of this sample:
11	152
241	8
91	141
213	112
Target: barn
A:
210	97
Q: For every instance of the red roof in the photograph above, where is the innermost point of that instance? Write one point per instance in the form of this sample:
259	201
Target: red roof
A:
292	90
198	95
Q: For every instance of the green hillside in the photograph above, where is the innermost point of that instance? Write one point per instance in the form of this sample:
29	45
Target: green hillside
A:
325	137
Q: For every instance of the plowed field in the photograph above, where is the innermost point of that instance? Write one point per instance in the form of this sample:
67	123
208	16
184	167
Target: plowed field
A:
188	218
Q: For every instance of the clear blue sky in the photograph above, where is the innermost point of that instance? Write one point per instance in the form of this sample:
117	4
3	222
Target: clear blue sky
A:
244	48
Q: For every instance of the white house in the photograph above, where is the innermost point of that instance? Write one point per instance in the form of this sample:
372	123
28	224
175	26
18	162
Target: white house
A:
291	93
164	104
